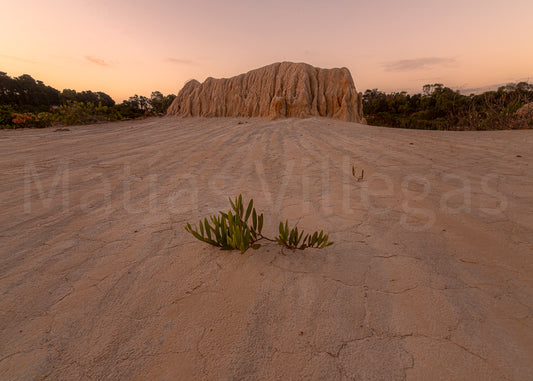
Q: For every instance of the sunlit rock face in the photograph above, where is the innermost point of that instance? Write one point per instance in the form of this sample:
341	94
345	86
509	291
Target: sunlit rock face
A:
279	90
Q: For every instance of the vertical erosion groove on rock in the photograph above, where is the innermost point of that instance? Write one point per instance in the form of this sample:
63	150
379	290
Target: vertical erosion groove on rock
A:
279	90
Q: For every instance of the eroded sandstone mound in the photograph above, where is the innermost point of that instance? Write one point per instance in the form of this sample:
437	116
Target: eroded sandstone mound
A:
278	90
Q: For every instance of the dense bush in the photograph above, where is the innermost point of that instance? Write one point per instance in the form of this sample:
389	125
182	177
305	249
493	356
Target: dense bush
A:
441	108
25	102
74	113
30	120
25	94
68	95
6	118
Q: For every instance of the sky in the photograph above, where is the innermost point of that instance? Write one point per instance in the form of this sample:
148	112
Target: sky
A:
136	47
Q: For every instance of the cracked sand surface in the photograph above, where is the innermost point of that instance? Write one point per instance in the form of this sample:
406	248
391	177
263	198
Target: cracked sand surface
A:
430	277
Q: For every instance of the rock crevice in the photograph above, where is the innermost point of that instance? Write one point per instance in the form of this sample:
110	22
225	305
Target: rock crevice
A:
279	90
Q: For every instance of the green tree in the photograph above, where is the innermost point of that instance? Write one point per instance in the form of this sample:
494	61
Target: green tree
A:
156	102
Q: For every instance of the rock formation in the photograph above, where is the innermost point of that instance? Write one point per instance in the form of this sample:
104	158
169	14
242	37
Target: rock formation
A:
278	90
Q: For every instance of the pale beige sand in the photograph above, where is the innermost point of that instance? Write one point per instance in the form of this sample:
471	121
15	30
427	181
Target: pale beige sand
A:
430	277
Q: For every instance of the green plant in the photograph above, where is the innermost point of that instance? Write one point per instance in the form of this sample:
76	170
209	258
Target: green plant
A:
441	108
6	120
233	231
291	238
29	120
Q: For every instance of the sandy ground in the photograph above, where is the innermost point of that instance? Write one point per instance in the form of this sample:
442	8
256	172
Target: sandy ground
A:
430	277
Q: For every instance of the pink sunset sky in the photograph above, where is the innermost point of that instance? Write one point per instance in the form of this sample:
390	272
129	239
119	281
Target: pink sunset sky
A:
136	47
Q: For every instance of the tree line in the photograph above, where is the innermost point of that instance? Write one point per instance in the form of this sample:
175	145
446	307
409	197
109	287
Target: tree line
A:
441	108
26	102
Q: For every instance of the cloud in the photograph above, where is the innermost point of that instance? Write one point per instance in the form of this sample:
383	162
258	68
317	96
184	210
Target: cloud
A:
418	63
481	89
20	59
181	61
97	61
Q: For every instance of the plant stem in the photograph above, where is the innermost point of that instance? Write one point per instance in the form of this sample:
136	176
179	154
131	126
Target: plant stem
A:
268	239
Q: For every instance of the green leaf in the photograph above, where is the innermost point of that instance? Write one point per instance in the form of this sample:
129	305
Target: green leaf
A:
207	228
246	237
238	239
201	228
256	246
289	238
198	236
218	235
224	229
249	210
240	203
300	237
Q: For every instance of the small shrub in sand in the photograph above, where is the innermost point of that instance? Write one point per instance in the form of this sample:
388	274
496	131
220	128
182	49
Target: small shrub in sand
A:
241	229
289	238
